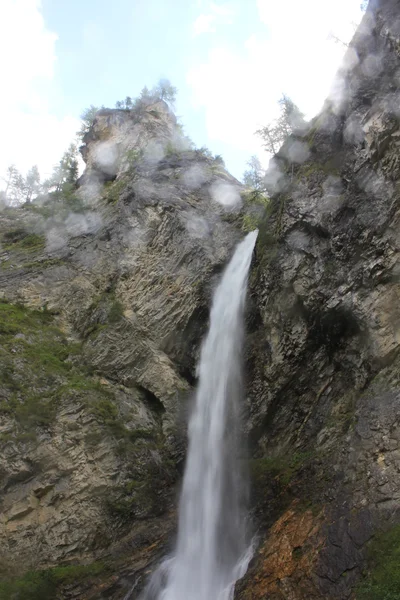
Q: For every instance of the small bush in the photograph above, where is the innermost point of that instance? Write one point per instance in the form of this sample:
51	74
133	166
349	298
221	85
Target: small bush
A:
382	581
253	197
114	189
255	203
283	468
116	312
172	150
40	370
43	585
15	318
21	240
134	157
105	410
14	236
250	222
36	370
35	411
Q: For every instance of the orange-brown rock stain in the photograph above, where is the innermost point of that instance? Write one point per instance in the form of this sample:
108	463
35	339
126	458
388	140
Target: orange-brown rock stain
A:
284	563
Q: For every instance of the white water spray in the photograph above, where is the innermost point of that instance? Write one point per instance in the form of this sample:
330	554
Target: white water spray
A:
212	550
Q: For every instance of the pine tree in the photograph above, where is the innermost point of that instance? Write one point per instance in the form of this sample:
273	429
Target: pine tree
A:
87	117
253	177
17	188
70	164
166	91
32	183
289	120
128	103
11	172
65	174
145	93
15	185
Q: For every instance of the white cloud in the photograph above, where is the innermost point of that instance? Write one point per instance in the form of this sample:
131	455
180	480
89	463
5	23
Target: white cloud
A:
297	56
30	133
204	24
215	15
225	10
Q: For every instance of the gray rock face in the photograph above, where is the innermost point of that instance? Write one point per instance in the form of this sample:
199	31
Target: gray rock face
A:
326	295
128	275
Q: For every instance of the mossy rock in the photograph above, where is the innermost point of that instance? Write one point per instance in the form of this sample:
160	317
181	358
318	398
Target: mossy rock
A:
113	190
40	370
282	468
140	497
19	239
46	584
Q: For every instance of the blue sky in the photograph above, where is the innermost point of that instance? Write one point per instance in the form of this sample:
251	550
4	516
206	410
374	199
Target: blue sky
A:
230	60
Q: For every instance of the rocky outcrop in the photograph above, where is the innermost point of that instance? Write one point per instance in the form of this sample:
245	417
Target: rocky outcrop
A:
116	282
323	383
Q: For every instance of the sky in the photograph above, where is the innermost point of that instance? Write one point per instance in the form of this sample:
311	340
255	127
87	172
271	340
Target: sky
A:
231	60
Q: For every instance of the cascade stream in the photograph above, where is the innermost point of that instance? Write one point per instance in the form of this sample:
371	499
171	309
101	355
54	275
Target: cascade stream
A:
212	550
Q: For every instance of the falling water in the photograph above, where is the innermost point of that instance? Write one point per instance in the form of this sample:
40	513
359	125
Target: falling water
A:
212	549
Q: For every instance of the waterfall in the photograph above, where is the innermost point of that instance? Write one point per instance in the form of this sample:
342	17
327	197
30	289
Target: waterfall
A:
212	549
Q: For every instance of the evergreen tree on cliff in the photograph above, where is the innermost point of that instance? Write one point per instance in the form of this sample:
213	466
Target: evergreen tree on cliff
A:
289	120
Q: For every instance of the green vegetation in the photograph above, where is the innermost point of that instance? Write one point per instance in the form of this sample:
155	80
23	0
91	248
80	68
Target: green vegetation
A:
14	318
130	440
255	197
134	157
59	203
171	149
175	149
114	189
33	358
65	174
44	585
139	496
18	188
116	312
382	580
63	180
61	186
274	134
87	117
38	370
315	169
44	264
19	239
164	90
105	309
127	499
255	203
253	177
282	468
250	222
270	228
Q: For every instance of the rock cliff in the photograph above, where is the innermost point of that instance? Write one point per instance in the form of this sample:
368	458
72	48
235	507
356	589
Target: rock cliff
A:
323	363
104	301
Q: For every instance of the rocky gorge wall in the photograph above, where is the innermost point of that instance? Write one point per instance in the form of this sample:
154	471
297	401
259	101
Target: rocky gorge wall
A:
104	300
323	363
